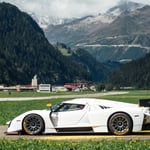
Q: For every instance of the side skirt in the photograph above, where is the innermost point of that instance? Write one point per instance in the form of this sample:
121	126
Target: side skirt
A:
75	130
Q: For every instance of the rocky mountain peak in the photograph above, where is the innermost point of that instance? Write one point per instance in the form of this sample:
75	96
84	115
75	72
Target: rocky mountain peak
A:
123	7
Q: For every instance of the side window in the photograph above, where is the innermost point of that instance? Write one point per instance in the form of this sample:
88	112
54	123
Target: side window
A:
70	107
76	107
64	107
79	107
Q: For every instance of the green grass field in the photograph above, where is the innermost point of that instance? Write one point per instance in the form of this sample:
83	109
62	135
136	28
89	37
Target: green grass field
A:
9	109
37	94
131	97
22	144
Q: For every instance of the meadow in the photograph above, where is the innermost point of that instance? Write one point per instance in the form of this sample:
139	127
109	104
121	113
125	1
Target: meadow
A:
5	94
10	109
23	144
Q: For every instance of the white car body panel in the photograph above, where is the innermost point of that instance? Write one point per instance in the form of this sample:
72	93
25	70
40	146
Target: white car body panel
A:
92	115
65	119
16	123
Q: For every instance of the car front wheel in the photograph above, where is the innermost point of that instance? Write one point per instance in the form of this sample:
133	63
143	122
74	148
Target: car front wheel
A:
120	124
33	124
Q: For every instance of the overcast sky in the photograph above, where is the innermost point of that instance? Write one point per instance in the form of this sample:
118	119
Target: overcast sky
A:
67	8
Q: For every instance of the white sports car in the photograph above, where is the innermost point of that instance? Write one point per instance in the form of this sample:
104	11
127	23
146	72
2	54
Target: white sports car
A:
84	115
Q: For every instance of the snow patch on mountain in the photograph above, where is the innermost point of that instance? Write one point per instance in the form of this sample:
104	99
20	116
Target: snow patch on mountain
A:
124	6
99	18
107	17
45	21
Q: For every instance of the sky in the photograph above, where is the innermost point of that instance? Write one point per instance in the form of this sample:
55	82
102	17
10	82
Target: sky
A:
66	8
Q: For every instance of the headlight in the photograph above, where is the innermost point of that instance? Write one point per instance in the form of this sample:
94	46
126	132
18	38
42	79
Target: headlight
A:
8	123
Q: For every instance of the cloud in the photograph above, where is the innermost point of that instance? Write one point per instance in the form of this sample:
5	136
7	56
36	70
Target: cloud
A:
142	1
66	8
63	8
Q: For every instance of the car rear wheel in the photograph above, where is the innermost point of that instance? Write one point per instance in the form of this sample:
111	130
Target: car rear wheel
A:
120	124
33	124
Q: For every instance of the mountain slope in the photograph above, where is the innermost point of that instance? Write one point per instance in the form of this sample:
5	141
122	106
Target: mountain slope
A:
123	37
123	7
76	31
99	71
134	74
24	52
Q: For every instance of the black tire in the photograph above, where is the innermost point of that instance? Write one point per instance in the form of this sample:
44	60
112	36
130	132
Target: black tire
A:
120	124
33	124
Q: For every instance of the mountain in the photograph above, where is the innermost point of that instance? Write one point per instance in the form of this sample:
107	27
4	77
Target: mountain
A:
71	33
25	51
98	70
108	36
133	74
44	20
123	7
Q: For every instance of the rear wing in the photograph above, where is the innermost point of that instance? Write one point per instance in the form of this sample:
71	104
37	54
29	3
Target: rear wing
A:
144	102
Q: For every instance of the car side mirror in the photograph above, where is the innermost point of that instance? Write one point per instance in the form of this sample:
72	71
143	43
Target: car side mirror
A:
49	105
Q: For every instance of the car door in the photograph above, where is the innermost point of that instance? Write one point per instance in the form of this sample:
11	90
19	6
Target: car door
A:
69	115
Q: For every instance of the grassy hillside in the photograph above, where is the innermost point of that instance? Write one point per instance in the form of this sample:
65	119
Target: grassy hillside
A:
134	74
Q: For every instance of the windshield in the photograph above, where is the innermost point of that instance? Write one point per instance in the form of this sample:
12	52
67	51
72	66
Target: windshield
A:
55	107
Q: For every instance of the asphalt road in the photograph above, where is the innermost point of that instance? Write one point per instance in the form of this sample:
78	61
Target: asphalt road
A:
144	135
